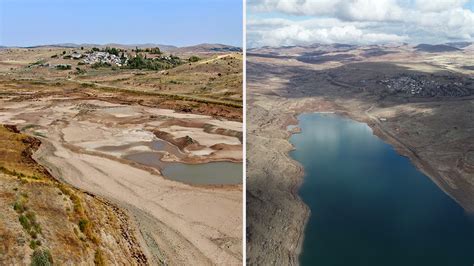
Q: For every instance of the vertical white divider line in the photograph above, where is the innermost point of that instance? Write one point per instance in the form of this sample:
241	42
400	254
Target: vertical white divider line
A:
244	131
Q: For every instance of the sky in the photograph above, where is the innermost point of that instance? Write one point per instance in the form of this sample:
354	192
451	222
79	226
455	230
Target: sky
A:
302	22
171	22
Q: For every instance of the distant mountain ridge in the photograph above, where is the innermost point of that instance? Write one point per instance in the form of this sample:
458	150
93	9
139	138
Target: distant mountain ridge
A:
437	48
163	47
199	48
459	45
432	48
207	47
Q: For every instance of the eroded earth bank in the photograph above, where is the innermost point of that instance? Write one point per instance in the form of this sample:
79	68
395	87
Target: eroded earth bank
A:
417	101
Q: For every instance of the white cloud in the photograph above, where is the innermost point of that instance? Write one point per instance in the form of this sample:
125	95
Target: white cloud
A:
343	9
449	24
369	10
439	5
296	7
358	21
291	33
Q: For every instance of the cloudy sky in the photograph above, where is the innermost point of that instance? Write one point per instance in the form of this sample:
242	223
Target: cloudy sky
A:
292	22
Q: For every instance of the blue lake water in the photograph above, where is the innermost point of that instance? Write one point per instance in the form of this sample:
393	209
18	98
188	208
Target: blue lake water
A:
371	206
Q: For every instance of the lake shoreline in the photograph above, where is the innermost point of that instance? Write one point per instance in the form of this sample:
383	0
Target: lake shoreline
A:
399	147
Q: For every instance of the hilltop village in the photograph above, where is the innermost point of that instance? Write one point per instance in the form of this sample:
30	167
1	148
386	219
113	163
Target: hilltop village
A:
149	58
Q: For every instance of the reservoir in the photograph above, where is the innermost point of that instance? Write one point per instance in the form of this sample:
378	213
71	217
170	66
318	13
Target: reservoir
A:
371	206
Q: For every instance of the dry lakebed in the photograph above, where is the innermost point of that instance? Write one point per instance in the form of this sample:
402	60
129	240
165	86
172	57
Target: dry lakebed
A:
178	175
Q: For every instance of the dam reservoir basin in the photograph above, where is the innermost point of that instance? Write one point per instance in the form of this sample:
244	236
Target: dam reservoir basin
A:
370	205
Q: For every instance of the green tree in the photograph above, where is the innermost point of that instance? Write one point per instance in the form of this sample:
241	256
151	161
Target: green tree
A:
155	50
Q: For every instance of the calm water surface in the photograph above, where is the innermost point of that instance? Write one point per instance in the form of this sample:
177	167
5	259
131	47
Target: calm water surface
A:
371	206
213	173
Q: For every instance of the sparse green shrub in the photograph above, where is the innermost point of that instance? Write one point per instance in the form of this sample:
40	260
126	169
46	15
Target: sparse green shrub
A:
19	207
194	58
34	244
33	234
80	71
83	224
137	62
155	50
41	258
99	258
36	228
76	202
24	222
101	64
39	62
141	62
31	216
87	85
63	67
113	51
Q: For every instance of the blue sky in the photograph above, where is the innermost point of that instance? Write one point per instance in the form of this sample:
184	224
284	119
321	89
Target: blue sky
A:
296	22
174	22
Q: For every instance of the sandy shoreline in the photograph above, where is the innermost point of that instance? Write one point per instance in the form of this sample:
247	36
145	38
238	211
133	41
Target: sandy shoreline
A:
300	180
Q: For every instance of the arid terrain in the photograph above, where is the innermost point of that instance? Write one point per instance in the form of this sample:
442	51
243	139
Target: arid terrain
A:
419	99
87	139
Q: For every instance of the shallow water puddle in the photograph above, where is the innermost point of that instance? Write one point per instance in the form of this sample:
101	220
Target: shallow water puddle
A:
213	173
152	159
161	145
